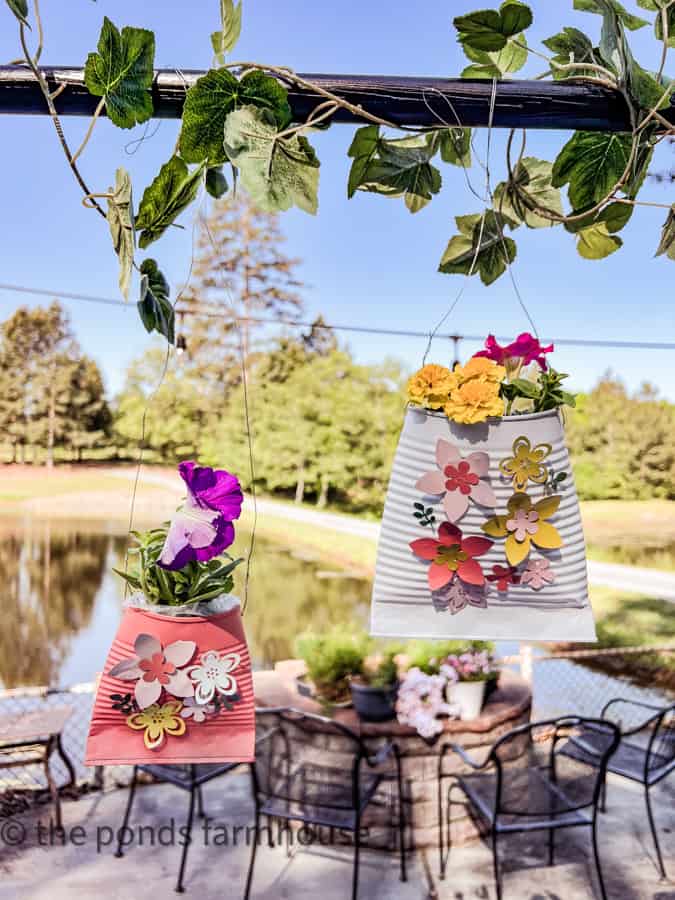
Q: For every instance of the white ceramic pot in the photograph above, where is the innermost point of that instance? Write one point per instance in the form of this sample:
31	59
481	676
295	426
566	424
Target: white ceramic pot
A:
468	696
403	604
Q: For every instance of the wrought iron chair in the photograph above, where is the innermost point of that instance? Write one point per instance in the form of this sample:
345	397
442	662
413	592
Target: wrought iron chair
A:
541	796
647	757
189	778
308	791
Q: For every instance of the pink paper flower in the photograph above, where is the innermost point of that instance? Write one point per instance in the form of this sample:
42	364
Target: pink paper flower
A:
538	573
503	576
456	596
458	480
522	523
452	555
153	668
521	352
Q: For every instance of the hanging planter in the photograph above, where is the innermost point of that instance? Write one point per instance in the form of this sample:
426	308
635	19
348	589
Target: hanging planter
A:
481	534
177	685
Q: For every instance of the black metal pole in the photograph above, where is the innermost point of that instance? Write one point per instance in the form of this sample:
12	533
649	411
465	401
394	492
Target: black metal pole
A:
417	102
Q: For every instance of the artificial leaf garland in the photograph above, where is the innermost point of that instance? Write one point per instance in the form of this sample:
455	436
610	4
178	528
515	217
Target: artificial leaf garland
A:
121	222
172	191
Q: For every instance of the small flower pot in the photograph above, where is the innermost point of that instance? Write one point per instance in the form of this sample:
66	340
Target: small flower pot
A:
306	688
468	697
374	704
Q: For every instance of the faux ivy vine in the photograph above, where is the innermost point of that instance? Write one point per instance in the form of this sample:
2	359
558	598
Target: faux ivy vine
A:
238	114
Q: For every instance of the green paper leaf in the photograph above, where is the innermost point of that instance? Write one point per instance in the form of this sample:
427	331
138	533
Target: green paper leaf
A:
485	245
216	182
224	41
212	98
510	58
488	29
592	163
277	172
532	187
599	6
154	306
121	223
362	150
20	10
667	242
122	73
455	146
170	192
596	242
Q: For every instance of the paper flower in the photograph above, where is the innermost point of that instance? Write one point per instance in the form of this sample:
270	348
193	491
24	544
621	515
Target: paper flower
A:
202	528
503	576
196	711
538	573
157	722
458	479
526	463
430	386
476	395
153	668
213	674
456	596
521	352
525	524
420	701
452	555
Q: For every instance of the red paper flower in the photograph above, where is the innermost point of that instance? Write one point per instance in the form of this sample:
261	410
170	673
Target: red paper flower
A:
526	349
452	555
504	576
460	477
157	668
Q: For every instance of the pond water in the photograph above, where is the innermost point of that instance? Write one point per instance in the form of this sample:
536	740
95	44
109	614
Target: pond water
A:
61	601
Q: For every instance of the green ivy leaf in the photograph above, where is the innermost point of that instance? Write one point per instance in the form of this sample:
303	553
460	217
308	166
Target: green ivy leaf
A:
489	29
615	216
599	6
402	168
640	168
215	182
121	223
658	26
122	73
646	90
531	187
667	242
596	242
571	46
224	41
510	58
491	252
277	172
170	192
20	10
362	150
212	98
154	306
455	146
592	163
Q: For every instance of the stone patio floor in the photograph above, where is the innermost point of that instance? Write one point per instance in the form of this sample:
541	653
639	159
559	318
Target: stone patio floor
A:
82	871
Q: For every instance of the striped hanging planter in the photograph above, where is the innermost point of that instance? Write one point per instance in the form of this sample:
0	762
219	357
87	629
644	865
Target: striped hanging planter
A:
481	535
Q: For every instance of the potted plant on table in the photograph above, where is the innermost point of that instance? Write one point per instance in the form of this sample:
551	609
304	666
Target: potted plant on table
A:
374	690
331	660
468	675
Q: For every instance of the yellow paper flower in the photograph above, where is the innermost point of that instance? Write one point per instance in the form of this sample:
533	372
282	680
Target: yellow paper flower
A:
473	401
431	386
525	524
526	464
157	722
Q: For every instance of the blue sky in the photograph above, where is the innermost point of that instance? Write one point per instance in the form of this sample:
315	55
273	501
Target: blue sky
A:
368	261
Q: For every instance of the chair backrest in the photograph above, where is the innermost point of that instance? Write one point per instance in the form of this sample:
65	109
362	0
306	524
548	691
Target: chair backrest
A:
655	735
661	747
525	790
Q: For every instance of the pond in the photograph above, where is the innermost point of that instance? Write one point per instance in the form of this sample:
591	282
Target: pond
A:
62	601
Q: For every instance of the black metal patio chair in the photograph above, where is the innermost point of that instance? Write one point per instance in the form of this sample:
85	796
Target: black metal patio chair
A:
540	796
646	753
294	787
189	777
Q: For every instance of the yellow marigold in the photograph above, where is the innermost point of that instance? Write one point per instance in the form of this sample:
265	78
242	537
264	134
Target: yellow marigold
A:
481	368
431	386
473	401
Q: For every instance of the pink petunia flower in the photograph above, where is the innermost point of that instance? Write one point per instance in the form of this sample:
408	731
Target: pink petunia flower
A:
452	555
154	668
458	480
521	352
538	574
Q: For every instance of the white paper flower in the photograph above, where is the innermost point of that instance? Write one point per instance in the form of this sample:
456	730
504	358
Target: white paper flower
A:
213	674
196	711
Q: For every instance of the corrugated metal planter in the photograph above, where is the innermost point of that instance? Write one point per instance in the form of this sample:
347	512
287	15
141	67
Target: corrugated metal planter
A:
469	478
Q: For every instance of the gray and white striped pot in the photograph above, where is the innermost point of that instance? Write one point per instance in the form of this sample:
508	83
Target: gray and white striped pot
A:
403	604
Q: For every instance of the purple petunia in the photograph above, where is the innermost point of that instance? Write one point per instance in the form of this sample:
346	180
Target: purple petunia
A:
202	528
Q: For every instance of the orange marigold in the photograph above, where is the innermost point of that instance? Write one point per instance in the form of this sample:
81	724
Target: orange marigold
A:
431	386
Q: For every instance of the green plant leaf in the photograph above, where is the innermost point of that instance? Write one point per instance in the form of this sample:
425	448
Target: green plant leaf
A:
216	182
526	388
455	146
224	41
121	223
592	163
489	29
599	6
667	242
596	242
646	90
20	10
170	192
122	73
362	150
614	216
531	187
212	98
485	244
510	58
154	306
402	168
277	172
658	26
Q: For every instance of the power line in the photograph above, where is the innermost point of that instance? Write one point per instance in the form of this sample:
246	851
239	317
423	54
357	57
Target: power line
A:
356	329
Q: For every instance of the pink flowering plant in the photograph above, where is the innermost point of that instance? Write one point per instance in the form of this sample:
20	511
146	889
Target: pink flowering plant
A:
472	665
184	560
421	701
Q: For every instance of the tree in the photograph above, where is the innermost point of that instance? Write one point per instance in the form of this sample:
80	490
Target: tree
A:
89	417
